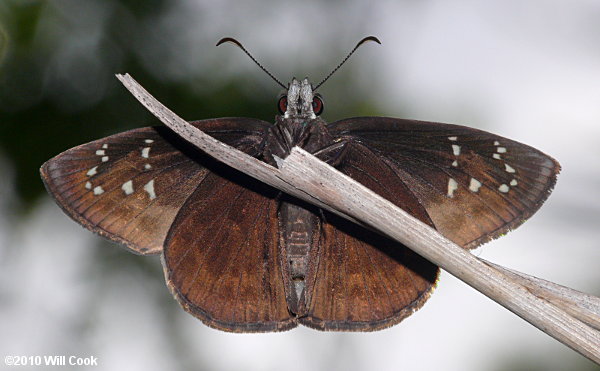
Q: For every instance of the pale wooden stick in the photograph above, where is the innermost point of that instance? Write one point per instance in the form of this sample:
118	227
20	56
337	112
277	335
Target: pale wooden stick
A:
580	305
312	180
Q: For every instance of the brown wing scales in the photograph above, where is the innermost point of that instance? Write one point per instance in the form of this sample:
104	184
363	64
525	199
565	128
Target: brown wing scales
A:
363	281
227	271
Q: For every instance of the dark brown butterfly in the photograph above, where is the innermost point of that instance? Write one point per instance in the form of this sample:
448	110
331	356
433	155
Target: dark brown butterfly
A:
243	257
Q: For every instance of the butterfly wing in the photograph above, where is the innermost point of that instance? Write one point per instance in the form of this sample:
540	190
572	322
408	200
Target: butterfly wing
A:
474	185
128	187
221	258
363	281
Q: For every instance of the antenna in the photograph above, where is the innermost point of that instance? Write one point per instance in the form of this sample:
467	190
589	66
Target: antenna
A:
368	38
239	45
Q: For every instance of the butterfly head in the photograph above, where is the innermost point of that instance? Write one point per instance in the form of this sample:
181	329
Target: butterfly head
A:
300	101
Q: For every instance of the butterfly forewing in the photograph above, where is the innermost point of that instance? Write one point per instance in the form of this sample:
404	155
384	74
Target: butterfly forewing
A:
129	187
474	185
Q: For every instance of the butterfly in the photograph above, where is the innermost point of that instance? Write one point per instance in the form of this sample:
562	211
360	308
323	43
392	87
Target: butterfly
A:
244	257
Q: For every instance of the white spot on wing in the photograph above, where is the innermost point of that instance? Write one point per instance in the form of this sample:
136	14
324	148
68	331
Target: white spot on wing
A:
456	149
105	146
100	152
501	150
88	185
455	163
452	186
474	185
127	187
104	158
92	171
149	187
145	152
496	156
98	190
513	182
503	188
147	166
496	143
509	169
148	141
452	138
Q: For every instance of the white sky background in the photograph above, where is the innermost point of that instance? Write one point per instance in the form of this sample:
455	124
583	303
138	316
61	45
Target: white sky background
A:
526	70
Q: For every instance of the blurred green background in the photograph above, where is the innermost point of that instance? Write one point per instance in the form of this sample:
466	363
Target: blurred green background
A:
530	71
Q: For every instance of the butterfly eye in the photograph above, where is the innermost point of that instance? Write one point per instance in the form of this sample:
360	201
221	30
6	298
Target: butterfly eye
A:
317	104
282	104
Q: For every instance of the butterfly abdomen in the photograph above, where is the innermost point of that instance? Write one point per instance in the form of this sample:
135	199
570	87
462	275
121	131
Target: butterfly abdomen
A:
299	231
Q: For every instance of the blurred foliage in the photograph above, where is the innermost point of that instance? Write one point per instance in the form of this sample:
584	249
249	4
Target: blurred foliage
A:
57	84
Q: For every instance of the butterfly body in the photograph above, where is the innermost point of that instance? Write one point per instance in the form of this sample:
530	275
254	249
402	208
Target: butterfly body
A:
243	257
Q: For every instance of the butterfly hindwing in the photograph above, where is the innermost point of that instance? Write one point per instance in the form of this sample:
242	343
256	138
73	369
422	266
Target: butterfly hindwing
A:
362	280
474	185
128	187
221	257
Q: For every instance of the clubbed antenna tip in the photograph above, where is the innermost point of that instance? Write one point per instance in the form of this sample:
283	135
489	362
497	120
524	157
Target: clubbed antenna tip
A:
239	45
368	38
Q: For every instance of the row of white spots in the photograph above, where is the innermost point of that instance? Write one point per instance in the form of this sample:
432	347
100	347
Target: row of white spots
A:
102	152
93	171
127	187
146	153
455	150
148	187
504	188
452	184
474	184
